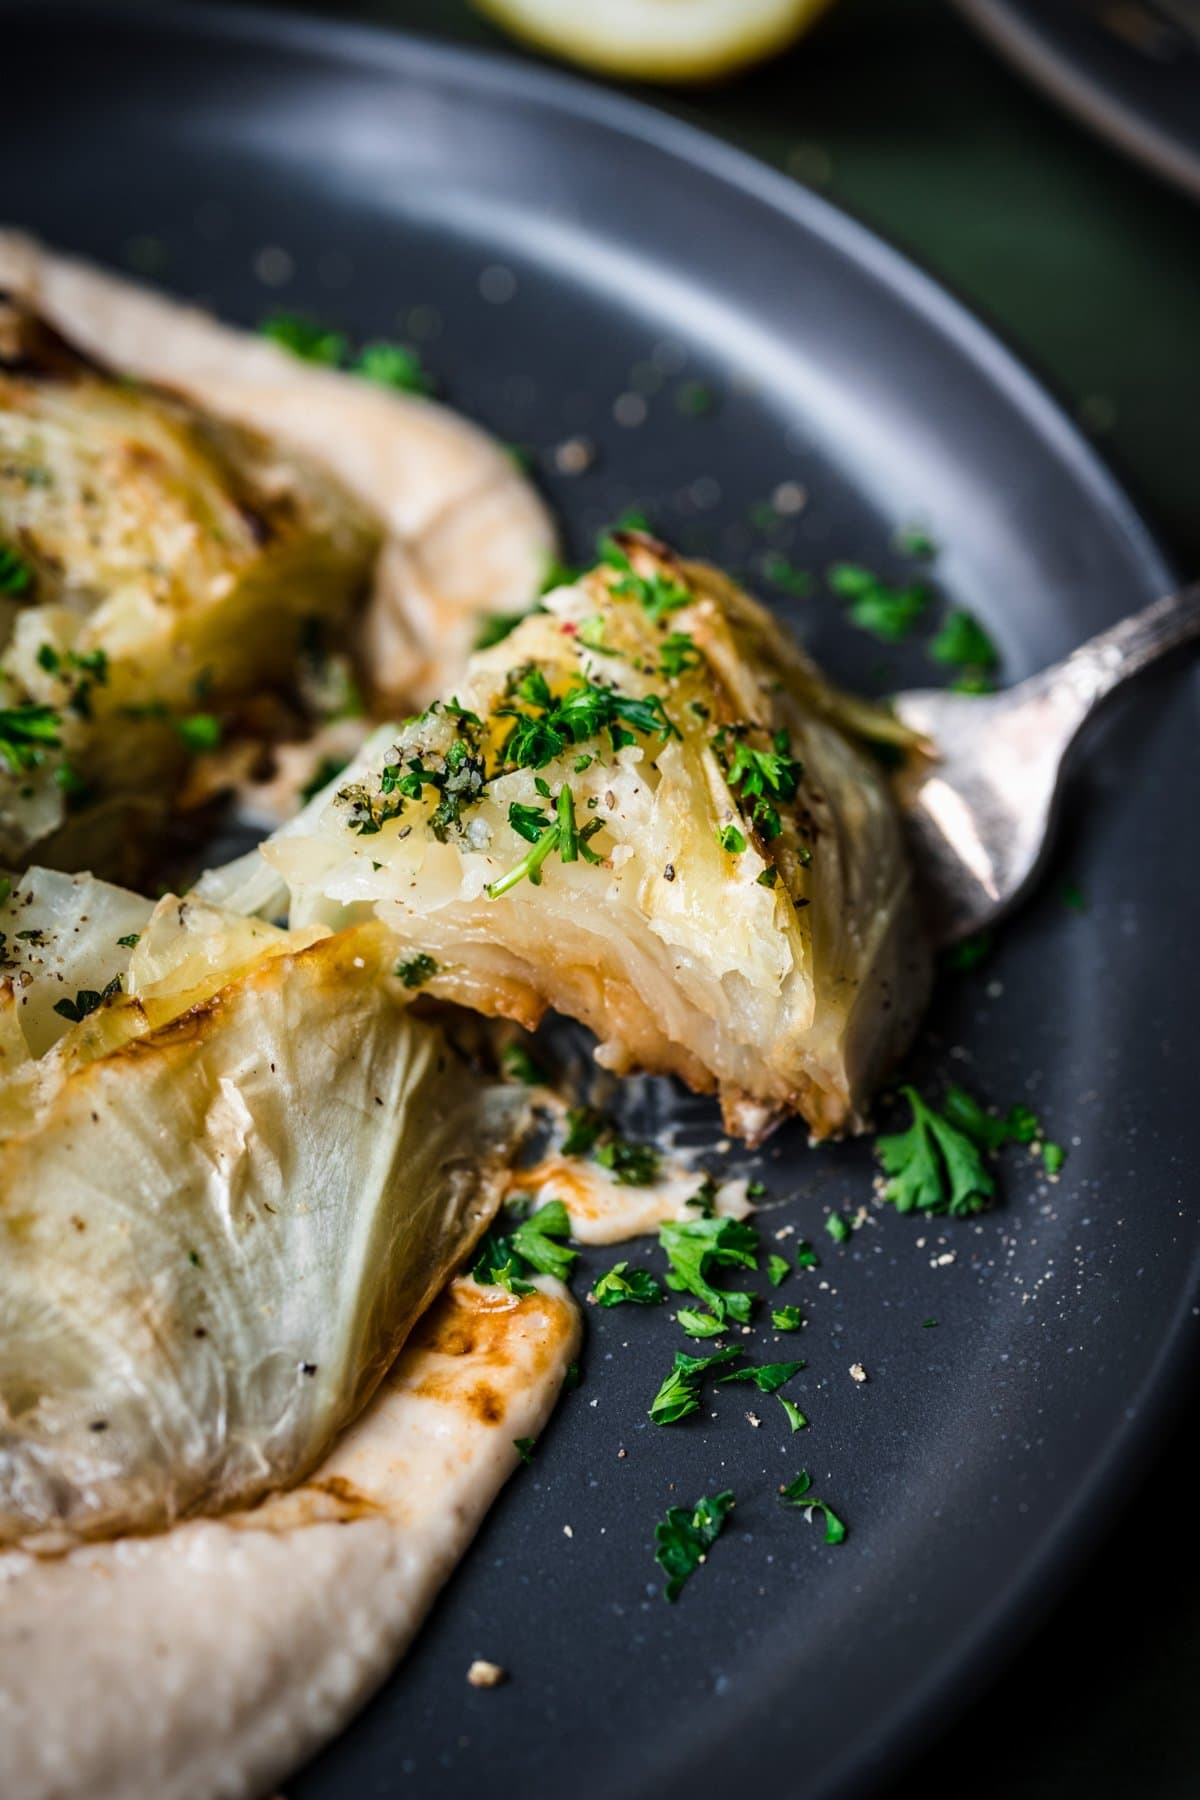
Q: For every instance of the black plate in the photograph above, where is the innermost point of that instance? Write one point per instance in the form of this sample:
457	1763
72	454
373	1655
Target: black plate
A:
983	1455
1131	71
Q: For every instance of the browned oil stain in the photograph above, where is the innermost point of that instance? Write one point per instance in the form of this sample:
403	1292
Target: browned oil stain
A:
352	1503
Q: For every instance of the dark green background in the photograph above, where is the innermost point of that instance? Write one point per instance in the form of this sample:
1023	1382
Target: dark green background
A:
1091	269
1088	266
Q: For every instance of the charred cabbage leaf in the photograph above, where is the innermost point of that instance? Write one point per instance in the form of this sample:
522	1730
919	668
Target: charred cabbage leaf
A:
234	1170
647	809
157	565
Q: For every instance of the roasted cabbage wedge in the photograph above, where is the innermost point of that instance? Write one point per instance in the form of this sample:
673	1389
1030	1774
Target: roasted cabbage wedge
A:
157	565
234	1170
646	808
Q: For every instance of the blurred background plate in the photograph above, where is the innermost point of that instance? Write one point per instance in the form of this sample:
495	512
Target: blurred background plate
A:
1128	68
659	321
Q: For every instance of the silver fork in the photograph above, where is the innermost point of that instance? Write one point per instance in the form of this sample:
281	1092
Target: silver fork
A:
981	811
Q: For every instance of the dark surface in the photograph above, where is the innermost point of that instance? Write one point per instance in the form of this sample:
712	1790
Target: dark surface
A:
1129	71
981	1456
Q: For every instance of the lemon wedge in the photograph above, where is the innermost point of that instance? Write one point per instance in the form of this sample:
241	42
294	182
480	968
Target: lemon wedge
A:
657	40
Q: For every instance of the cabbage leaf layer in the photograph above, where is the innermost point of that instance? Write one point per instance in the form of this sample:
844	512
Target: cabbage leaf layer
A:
229	1185
648	809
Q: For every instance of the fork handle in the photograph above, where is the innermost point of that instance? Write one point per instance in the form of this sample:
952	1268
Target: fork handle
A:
1091	673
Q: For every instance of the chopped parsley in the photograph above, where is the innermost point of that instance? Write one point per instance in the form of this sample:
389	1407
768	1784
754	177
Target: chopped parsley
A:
731	839
837	1228
767	1377
968	953
517	1063
806	1256
393	366
587	708
705	1198
684	1538
889	613
796	1418
634	518
26	733
387	364
699	1324
934	1166
659	595
500	1265
535	1240
591	1133
695	399
16	576
768	877
963	644
799	1493
778	1269
787	576
679	1395
1073	896
584	1128
524	1448
1018	1126
131	942
787	1318
86	1001
678	653
1053	1158
307	339
621	1285
694	1246
631	1165
546	837
911	540
417	970
763	780
199	731
91	665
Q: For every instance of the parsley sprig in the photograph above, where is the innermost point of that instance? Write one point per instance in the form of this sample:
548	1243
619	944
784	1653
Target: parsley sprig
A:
505	1260
696	1246
536	1239
934	1166
763	780
546	835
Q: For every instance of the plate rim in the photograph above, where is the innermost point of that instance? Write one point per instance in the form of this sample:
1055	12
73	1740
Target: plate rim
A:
980	1655
1086	98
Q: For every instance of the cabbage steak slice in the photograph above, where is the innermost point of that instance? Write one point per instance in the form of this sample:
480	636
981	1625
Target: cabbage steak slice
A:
234	1171
647	809
157	566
